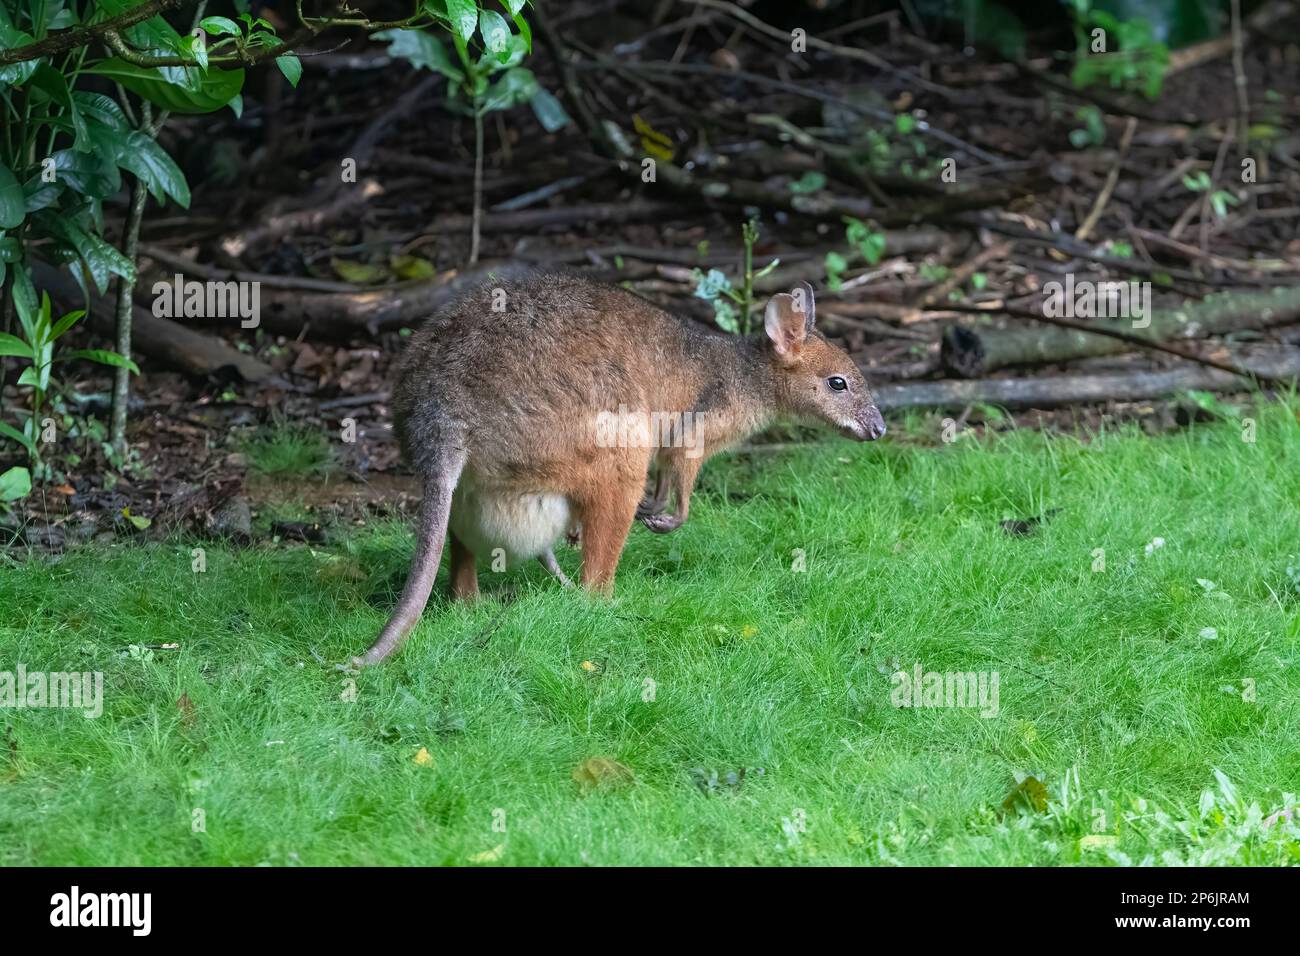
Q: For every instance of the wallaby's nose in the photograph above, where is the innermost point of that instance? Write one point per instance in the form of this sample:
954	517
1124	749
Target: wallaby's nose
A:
875	424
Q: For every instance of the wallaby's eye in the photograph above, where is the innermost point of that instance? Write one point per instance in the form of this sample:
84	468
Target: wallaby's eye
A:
836	383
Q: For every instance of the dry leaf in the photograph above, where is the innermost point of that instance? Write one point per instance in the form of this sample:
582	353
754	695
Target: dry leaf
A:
1028	793
596	773
186	707
423	758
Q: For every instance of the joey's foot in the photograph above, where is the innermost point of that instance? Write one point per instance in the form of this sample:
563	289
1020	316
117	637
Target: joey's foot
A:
662	523
648	508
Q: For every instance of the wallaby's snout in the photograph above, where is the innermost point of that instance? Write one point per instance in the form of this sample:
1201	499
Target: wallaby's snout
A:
815	378
870	424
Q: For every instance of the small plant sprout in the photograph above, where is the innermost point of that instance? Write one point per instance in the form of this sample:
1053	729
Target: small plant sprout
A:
864	241
38	345
1220	199
733	308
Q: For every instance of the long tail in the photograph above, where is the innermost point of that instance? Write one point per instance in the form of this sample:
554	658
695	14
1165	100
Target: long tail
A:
434	513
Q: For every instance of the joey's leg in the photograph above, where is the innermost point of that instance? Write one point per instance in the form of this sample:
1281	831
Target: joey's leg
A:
464	572
656	503
684	471
550	564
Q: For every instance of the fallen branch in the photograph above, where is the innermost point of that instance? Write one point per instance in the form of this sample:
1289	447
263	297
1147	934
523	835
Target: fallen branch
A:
341	315
972	352
1076	389
304	220
165	341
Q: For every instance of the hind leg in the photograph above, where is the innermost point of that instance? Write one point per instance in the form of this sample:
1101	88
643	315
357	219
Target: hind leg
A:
464	572
607	507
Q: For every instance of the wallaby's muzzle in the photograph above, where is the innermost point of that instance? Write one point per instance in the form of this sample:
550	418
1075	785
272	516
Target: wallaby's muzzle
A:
870	425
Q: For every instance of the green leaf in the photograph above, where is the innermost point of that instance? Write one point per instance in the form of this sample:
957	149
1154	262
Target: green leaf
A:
17	481
15	74
421	50
154	33
14	434
24	296
52	84
548	110
515	86
514	7
202	94
463	15
150	163
195	47
496	34
102	356
101	109
291	67
14	346
219	26
810	182
361	273
412	267
13	204
524	31
100	258
65	323
92	174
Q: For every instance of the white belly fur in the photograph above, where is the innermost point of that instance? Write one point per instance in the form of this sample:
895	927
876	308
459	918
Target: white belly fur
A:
523	525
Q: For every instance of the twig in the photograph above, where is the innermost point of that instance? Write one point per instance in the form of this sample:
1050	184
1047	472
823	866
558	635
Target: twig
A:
81	36
1111	179
846	52
1239	81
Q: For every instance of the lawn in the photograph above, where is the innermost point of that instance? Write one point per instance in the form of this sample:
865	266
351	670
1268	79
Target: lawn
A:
735	702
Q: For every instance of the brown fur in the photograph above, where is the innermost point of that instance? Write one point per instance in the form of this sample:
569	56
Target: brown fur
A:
508	403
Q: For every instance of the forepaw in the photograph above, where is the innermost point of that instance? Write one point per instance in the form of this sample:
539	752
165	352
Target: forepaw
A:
662	523
648	508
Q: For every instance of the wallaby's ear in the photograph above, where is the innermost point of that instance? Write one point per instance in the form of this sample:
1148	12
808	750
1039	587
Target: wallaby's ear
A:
786	327
802	294
789	320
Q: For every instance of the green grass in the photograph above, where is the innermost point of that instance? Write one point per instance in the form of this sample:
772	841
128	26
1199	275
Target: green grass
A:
1112	692
290	450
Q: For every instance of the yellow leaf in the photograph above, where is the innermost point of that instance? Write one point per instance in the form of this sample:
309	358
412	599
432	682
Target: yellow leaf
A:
1097	841
1029	794
596	773
652	141
590	667
411	267
748	631
140	523
423	758
489	856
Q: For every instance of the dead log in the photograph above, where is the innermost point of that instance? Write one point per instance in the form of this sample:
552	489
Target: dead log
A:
343	314
972	352
167	342
311	219
1049	391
